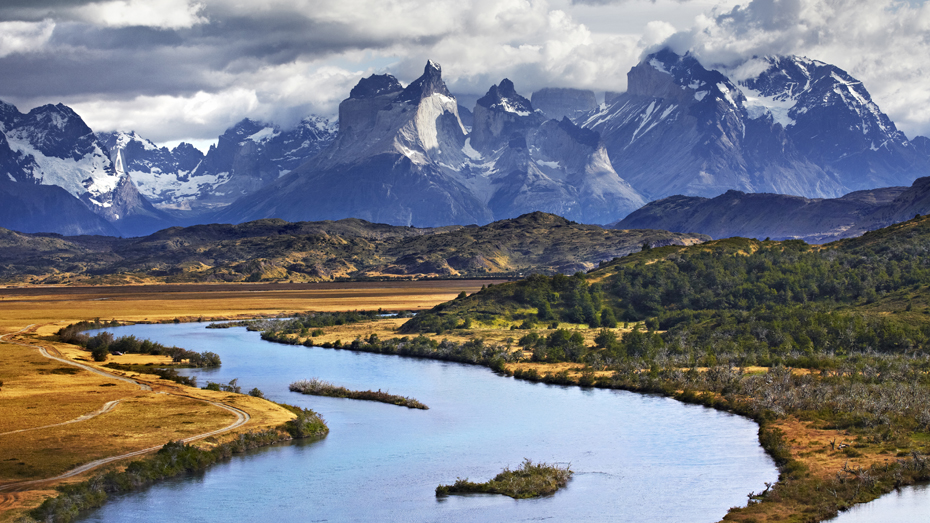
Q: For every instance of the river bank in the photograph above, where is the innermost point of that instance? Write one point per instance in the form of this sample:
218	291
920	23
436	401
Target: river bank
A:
826	465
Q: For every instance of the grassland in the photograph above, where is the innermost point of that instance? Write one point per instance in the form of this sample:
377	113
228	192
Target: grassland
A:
38	392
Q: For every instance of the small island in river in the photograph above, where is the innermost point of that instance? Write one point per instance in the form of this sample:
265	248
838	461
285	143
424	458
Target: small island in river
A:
529	481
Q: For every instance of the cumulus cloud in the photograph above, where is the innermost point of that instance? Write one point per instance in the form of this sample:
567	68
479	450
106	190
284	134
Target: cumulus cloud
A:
190	68
164	14
18	37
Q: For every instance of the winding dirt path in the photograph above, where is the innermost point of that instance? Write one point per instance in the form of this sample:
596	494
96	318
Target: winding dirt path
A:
242	417
107	407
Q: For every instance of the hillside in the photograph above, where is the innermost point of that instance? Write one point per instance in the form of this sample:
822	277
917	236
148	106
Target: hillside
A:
881	271
276	250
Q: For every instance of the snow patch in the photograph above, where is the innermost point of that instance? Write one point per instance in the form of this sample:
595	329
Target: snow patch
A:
779	106
726	93
91	174
658	66
506	106
264	135
470	151
700	95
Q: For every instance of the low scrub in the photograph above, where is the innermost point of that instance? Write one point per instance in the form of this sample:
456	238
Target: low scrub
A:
531	480
318	387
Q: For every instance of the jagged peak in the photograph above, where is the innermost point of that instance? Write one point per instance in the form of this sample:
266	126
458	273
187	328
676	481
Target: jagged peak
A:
59	115
427	85
376	85
504	96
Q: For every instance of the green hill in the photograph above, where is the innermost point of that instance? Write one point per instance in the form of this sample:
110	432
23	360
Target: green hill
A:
798	298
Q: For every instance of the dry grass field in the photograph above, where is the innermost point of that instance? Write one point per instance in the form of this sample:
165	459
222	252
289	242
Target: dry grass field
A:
52	419
21	306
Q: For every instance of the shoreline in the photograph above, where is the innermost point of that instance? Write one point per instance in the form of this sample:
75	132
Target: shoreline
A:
775	435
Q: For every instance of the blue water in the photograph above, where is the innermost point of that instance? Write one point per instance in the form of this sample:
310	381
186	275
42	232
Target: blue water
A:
637	458
908	504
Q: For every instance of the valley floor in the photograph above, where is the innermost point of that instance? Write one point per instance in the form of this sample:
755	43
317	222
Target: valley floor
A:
58	417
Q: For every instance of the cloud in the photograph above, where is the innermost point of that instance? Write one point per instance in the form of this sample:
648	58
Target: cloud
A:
189	68
883	43
24	37
164	14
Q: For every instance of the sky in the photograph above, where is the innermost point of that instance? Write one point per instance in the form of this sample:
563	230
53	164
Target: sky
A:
185	70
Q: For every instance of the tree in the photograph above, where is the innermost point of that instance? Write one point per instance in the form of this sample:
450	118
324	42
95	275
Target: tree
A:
100	353
608	319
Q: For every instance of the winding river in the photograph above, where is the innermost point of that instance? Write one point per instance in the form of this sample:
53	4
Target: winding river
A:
637	458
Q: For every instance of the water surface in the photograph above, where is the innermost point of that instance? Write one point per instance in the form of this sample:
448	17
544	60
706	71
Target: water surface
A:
906	504
637	458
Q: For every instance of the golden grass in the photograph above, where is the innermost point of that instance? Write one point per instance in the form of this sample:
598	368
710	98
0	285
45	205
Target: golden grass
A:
38	391
136	423
63	305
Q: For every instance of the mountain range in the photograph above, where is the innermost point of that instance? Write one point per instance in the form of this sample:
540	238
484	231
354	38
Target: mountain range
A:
413	155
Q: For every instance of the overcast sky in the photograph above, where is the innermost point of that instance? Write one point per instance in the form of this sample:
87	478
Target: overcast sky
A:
177	70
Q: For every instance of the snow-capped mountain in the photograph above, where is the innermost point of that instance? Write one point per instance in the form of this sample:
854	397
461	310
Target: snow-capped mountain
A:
247	156
831	118
789	126
51	145
402	156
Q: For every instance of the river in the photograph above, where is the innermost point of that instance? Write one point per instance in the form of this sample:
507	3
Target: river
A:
637	458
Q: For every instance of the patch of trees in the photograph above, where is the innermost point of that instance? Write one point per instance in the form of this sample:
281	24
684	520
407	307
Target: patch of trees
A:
103	344
474	351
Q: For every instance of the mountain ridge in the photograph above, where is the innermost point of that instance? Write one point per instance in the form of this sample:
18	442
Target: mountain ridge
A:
276	250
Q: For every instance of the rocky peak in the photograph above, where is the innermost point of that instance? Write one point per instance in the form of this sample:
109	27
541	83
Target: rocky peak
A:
427	85
504	97
376	85
681	78
57	131
499	114
828	113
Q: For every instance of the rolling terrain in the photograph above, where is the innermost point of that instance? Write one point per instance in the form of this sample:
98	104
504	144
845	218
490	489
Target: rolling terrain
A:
275	250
